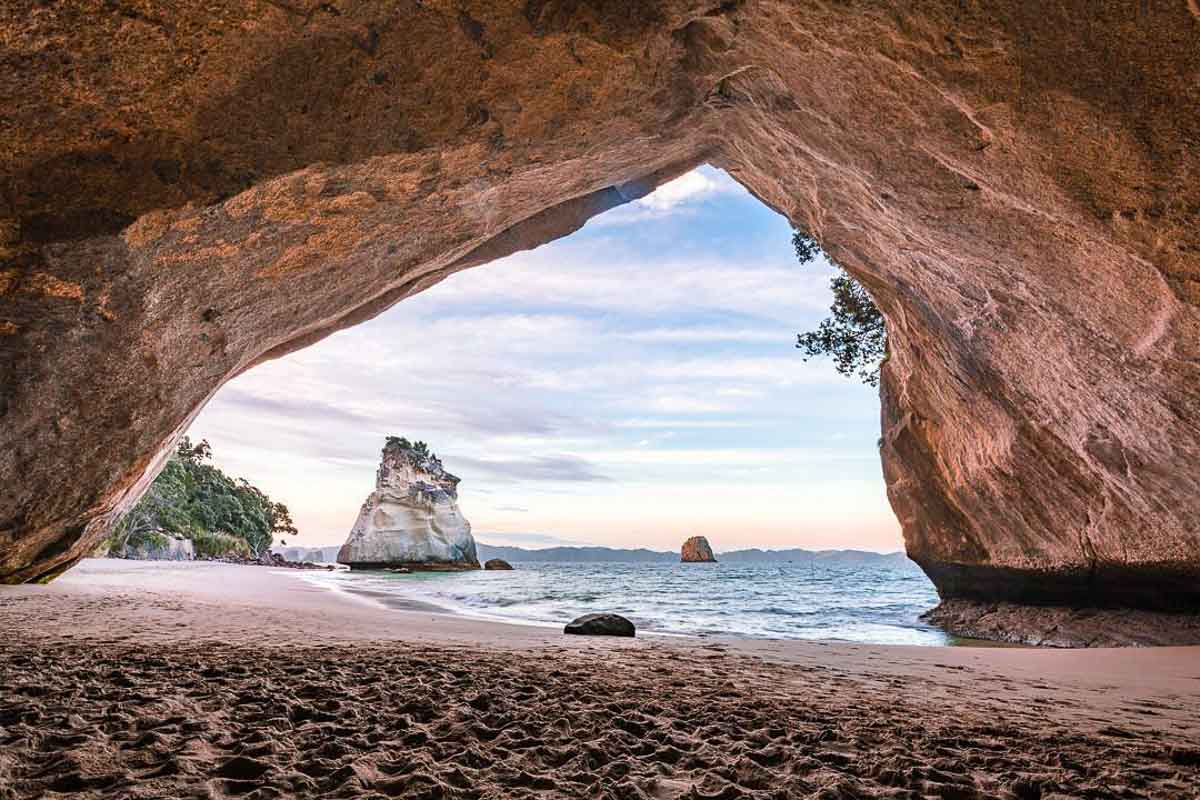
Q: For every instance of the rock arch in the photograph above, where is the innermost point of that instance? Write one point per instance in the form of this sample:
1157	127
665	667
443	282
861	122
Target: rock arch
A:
189	189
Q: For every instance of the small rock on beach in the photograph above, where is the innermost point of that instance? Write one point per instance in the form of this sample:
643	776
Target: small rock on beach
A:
600	625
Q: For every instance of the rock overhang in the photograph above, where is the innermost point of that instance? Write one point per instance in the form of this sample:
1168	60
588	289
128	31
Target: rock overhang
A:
1017	191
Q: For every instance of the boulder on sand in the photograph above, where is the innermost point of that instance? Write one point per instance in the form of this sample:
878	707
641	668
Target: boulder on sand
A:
696	549
496	563
600	625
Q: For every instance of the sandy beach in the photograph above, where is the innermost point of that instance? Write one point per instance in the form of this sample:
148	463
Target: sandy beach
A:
128	679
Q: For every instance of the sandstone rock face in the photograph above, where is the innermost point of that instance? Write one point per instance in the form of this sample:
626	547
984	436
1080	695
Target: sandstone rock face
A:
411	519
696	549
192	189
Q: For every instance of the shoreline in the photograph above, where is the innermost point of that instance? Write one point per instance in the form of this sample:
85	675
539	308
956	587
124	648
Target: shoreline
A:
962	623
399	601
152	601
396	601
545	597
186	680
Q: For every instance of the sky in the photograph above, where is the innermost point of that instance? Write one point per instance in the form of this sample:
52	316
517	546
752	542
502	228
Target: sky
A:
629	385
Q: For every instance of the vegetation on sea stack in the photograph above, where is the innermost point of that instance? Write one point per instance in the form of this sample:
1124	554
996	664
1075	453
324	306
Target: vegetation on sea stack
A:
418	447
194	499
854	336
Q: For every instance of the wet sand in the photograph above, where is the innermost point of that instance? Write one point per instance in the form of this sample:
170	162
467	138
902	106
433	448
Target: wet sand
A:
128	679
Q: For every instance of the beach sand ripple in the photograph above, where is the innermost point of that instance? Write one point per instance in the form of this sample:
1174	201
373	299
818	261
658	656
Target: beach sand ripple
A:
132	680
414	721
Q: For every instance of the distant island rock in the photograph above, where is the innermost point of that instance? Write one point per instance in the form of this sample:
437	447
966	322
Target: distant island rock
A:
412	518
496	563
696	549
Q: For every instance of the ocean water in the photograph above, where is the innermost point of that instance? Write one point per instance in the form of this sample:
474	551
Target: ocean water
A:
876	604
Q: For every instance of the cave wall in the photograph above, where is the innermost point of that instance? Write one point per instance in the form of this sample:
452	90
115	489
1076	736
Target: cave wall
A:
191	188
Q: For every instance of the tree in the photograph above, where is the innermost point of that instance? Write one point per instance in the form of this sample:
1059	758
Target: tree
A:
418	447
281	520
807	248
193	454
855	335
197	500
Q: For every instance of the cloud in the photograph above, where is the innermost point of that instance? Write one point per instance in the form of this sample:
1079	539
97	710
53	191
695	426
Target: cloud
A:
678	196
299	408
684	423
550	540
688	188
685	404
783	371
680	385
617	278
541	468
713	459
712	334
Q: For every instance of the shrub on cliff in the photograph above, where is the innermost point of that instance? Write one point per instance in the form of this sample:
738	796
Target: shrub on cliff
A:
418	447
854	336
215	544
191	497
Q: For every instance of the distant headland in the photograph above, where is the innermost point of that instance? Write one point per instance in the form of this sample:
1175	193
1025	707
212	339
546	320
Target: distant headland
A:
616	555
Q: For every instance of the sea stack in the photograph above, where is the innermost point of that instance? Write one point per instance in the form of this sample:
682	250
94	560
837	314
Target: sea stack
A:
411	519
696	549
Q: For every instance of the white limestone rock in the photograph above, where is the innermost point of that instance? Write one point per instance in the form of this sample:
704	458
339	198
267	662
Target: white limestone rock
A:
412	518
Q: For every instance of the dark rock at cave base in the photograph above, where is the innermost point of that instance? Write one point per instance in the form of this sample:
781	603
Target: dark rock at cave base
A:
496	563
600	625
1169	588
1062	626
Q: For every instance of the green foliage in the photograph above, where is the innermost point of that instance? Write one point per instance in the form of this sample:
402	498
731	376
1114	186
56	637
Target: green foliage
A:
807	248
195	499
420	448
214	544
855	335
158	540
